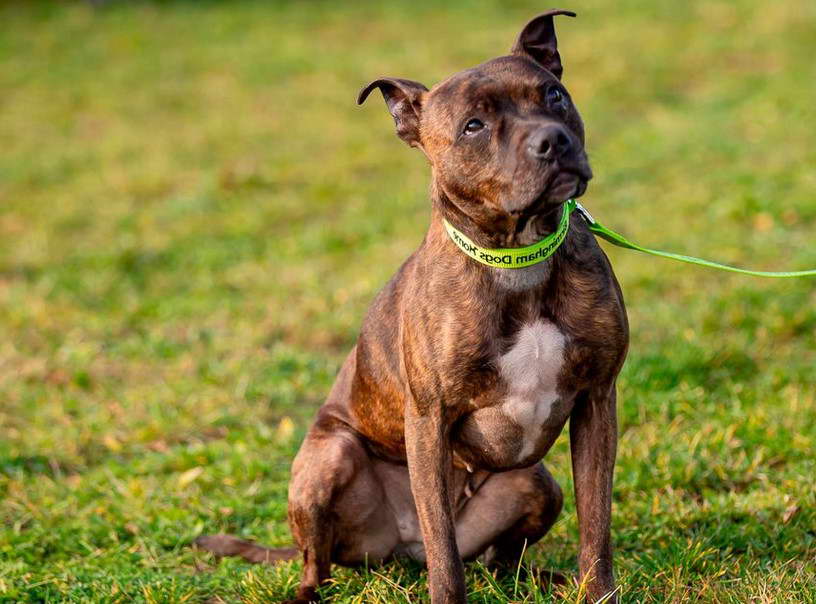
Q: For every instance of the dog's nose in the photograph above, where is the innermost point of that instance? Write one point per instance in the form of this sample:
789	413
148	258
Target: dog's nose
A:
549	142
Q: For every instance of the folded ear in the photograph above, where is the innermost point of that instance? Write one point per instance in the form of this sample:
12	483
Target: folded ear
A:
404	100
537	41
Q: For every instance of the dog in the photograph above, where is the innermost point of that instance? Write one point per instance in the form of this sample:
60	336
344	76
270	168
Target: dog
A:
464	374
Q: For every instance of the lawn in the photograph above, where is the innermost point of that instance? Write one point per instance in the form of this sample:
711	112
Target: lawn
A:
194	215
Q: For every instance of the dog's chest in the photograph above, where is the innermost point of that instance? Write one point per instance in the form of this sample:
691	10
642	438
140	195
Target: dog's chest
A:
530	370
519	420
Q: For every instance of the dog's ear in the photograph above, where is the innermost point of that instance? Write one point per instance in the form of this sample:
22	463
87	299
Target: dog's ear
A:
404	100
537	41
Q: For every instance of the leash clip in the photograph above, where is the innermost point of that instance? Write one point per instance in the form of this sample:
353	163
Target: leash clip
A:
584	213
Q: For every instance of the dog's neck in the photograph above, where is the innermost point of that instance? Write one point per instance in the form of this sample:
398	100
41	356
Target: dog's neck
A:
498	232
510	232
522	279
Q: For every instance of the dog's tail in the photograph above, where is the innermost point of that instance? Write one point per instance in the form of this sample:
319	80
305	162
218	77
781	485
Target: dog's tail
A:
228	545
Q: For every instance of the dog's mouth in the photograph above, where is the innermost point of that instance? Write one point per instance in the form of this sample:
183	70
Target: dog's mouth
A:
558	183
565	185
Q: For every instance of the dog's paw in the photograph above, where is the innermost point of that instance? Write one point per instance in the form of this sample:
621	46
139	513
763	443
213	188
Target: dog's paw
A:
305	595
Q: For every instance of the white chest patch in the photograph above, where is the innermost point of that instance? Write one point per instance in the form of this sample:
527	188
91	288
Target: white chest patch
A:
530	369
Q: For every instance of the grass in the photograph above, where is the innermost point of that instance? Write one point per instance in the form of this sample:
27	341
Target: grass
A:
194	216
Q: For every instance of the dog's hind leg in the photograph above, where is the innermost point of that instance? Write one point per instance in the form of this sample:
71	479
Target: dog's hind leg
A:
338	511
337	508
507	514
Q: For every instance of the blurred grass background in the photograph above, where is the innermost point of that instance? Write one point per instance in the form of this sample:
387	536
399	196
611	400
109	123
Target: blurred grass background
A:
194	215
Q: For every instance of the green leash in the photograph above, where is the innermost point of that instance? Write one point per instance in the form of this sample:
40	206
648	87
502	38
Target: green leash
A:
538	252
621	241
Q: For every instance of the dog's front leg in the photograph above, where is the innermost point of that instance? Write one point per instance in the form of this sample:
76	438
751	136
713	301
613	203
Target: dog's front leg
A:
593	443
430	468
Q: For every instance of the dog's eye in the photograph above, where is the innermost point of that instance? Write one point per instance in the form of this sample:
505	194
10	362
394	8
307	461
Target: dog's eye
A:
473	126
554	97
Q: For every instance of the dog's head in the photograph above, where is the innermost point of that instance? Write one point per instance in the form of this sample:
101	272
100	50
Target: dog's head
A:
504	138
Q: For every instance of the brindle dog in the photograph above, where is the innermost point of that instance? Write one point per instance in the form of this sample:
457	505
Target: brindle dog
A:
464	375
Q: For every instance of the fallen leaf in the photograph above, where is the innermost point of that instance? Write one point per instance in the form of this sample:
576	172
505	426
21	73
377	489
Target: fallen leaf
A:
189	476
789	513
763	222
109	440
286	427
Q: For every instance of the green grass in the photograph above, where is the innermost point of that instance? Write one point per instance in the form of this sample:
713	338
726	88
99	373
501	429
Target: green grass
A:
194	215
